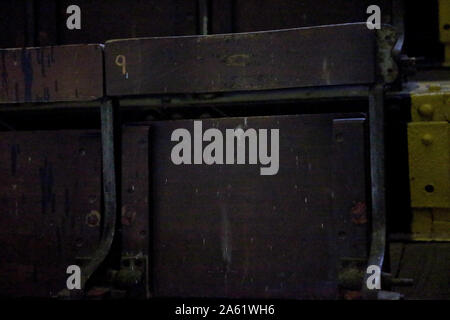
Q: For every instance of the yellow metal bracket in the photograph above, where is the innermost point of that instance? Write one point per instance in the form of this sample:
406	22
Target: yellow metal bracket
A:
429	157
429	161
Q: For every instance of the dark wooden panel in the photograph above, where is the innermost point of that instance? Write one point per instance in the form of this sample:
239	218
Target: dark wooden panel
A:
50	202
226	231
12	23
350	205
428	264
253	61
47	18
115	19
351	210
221	16
135	214
258	15
135	190
48	74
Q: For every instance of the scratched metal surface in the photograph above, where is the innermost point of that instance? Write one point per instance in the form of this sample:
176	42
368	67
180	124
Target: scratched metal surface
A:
50	197
51	74
247	61
226	231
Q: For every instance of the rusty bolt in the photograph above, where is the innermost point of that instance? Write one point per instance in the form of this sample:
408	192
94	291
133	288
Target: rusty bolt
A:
358	213
426	110
128	217
427	139
93	219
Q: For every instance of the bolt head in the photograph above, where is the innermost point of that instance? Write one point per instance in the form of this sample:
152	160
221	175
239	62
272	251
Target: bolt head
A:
427	139
93	219
426	110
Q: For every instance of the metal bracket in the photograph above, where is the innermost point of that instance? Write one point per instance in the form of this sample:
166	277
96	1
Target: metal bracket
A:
387	73
389	46
429	161
109	193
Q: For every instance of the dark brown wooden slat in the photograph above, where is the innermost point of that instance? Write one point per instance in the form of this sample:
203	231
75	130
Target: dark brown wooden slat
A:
427	264
349	201
51	74
259	15
12	24
114	19
136	233
221	16
226	231
135	190
50	207
304	57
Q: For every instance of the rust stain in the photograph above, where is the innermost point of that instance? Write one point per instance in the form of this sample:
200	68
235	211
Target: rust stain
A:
128	216
358	213
93	219
352	295
98	292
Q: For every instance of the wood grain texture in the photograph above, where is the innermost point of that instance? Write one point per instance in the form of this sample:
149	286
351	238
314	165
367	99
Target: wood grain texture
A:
50	204
305	57
135	190
13	23
51	74
428	264
226	231
350	205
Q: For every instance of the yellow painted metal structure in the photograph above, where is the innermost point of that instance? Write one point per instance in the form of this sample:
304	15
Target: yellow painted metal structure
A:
429	161
444	27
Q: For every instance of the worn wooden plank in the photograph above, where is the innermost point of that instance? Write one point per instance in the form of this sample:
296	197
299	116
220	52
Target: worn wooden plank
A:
135	190
136	232
305	57
50	204
227	231
349	200
428	264
50	74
